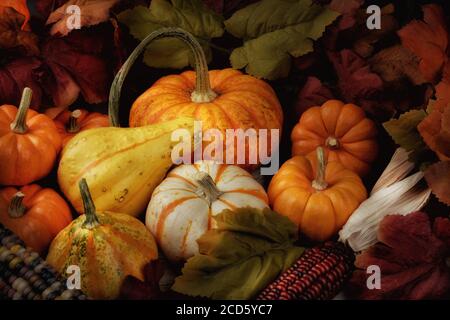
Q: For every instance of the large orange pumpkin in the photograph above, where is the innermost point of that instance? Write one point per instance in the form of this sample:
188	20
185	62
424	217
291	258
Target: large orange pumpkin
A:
69	123
29	143
317	196
36	215
342	129
221	99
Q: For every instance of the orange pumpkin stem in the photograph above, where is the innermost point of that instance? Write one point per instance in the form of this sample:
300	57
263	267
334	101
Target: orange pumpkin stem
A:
332	143
319	182
19	125
207	187
89	207
72	125
16	207
202	93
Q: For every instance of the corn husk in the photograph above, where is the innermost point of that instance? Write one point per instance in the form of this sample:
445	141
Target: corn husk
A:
394	193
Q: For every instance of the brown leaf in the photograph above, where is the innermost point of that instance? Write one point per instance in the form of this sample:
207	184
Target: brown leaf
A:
428	40
347	9
92	12
438	178
12	35
395	63
313	93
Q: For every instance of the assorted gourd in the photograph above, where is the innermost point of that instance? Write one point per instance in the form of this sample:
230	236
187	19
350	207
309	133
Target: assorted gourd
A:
182	206
106	246
128	171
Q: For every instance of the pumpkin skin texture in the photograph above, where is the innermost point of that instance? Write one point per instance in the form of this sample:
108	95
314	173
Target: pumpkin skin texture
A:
69	123
107	246
35	214
342	130
122	165
29	144
220	99
320	206
182	206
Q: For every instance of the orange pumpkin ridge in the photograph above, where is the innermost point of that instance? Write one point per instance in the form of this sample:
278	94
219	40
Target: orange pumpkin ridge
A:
318	196
221	99
29	143
343	130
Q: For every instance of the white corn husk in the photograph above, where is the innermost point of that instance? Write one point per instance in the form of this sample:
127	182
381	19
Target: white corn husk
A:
392	194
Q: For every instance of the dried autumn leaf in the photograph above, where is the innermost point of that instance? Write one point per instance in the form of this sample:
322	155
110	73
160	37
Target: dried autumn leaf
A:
428	40
15	34
274	32
411	255
438	178
395	63
92	12
20	6
404	132
356	80
248	249
313	93
347	9
443	89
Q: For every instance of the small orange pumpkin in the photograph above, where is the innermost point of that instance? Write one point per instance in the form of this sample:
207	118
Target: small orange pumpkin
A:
69	123
317	196
29	143
221	99
343	130
36	215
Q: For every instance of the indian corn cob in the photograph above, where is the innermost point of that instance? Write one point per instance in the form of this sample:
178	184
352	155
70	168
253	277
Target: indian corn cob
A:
317	275
26	276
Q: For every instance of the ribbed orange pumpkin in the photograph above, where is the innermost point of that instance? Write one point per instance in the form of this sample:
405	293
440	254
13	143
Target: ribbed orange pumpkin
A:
221	99
343	130
69	123
36	215
106	246
318	197
29	143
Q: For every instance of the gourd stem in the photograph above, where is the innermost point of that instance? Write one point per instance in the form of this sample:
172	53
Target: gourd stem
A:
319	182
19	125
332	143
89	207
202	93
207	188
16	207
72	125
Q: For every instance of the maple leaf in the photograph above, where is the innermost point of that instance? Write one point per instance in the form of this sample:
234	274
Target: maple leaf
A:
428	40
21	7
355	77
412	257
313	93
14	33
92	12
438	178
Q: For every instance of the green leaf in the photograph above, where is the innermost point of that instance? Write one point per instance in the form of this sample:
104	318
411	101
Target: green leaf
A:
190	15
247	250
404	133
273	32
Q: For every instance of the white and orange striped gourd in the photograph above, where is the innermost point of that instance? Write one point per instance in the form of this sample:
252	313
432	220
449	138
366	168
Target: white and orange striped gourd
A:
182	206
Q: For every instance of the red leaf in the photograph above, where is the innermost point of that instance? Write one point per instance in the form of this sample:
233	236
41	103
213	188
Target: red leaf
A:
428	40
313	93
355	78
411	256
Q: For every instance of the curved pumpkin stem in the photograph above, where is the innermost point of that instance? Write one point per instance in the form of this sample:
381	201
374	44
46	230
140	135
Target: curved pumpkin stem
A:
72	125
16	208
89	206
207	188
319	182
19	125
202	92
